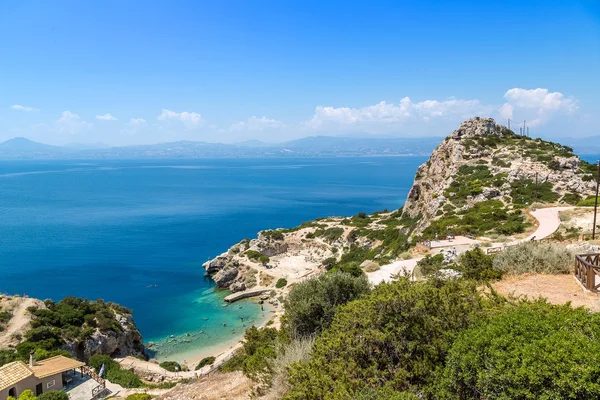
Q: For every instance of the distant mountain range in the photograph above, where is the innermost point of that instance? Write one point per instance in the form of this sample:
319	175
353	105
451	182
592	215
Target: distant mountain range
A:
319	146
316	146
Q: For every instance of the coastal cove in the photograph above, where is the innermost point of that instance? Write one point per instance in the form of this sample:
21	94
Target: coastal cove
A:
137	232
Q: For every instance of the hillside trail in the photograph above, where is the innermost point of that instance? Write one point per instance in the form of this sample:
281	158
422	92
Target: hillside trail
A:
19	323
548	222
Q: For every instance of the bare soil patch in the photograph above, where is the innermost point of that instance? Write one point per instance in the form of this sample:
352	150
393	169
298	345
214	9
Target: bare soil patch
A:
557	289
231	386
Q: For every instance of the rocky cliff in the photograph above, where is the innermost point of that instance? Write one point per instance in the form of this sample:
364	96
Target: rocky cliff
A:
80	326
124	341
482	161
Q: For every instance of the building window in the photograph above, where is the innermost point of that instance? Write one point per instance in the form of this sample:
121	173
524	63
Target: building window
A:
50	384
12	392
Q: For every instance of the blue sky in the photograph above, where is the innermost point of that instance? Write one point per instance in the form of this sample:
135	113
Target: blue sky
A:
124	72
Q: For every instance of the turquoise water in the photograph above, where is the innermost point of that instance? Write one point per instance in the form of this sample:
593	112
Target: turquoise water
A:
137	232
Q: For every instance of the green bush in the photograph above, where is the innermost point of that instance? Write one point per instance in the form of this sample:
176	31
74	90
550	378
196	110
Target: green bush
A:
281	283
329	263
571	198
352	268
235	363
534	258
53	395
477	265
274	235
171	366
588	202
139	396
398	336
429	265
5	316
536	351
254	359
25	395
385	393
7	356
204	362
263	259
483	217
310	306
331	234
253	255
113	371
524	192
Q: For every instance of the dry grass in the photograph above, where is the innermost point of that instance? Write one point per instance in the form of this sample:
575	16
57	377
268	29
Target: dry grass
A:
266	279
296	351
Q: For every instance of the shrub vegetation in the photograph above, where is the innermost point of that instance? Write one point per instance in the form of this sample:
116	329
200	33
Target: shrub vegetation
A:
204	362
113	371
171	366
535	351
534	257
310	306
397	336
281	283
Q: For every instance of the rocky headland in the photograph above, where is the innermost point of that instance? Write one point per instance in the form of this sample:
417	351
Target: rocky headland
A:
82	328
481	181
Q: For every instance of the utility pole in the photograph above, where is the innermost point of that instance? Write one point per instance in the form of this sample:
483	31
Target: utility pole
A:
524	122
509	124
536	186
596	202
527	131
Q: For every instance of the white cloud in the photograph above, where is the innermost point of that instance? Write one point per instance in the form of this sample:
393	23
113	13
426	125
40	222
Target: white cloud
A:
106	117
384	116
538	106
71	123
137	121
256	124
19	107
190	119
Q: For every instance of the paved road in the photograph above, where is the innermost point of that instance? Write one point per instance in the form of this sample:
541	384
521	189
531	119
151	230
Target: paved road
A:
548	223
548	220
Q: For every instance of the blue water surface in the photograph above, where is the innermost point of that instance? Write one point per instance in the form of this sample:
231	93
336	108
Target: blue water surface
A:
137	232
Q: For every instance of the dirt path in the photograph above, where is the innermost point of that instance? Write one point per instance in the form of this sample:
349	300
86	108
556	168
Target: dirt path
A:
19	323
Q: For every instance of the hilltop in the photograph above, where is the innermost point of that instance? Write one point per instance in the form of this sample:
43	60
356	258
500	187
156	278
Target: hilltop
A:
480	181
484	168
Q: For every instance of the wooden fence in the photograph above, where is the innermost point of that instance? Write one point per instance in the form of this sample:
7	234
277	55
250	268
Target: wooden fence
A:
587	268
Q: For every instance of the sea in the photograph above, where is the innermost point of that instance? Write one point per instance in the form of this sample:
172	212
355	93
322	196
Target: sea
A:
136	232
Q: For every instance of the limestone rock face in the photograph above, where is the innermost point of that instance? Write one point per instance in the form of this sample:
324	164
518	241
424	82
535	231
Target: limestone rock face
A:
127	342
225	276
468	145
217	263
237	286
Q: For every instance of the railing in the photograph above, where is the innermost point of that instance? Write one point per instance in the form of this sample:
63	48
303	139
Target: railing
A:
90	371
99	391
587	268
